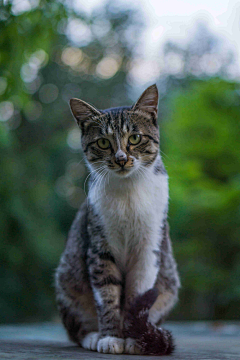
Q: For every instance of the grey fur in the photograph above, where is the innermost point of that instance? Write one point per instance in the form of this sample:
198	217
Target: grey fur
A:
91	287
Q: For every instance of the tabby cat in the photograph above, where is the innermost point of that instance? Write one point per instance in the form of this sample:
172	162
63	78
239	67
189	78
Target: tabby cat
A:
117	278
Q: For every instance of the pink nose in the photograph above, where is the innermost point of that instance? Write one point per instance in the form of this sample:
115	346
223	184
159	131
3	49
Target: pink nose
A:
121	157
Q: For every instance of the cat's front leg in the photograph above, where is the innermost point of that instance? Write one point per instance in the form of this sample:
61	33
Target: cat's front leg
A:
142	273
141	277
106	282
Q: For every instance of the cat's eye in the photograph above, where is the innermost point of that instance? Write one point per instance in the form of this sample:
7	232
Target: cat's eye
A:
103	143
134	139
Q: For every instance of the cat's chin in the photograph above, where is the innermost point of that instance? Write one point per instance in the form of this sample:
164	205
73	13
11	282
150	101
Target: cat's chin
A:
123	173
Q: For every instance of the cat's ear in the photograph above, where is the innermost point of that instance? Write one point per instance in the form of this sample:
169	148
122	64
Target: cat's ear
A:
82	111
148	101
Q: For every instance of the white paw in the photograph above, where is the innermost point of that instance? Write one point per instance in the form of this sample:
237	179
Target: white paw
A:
90	341
131	347
110	345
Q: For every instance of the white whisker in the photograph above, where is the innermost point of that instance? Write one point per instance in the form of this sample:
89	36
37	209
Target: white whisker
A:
91	172
99	180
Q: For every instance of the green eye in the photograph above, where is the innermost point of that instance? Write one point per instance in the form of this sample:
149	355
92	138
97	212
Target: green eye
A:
134	139
103	143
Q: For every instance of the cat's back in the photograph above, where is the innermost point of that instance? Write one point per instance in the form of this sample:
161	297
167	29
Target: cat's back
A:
78	238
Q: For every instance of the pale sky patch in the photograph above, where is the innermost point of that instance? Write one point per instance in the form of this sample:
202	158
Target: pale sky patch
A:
176	20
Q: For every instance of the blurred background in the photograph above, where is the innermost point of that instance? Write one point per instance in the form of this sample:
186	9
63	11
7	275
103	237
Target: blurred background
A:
107	53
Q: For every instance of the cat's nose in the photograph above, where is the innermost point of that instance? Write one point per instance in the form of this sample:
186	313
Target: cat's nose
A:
121	157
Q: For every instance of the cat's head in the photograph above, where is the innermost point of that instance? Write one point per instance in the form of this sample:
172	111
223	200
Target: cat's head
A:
120	140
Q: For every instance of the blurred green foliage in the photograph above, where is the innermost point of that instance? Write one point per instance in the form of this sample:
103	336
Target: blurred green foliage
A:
50	53
201	140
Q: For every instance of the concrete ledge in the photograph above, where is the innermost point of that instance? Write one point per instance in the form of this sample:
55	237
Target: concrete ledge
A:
203	341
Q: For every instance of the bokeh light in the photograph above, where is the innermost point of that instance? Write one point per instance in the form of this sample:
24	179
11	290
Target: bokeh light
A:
107	67
72	56
73	139
6	110
48	93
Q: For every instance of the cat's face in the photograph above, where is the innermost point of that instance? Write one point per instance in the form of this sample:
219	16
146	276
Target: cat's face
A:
120	141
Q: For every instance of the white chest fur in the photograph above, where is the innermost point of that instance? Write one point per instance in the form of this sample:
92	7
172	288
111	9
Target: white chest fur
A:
132	211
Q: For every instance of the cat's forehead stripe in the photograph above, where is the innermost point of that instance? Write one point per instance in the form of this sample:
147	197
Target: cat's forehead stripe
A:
116	124
121	123
124	128
110	130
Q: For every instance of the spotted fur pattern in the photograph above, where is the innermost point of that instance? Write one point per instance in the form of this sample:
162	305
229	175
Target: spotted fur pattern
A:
118	247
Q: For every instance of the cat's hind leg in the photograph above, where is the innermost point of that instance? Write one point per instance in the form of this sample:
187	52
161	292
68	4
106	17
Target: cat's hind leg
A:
131	347
90	341
80	322
167	282
77	309
162	306
80	329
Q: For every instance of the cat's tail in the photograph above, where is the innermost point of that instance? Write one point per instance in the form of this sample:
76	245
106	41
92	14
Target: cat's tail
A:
150	339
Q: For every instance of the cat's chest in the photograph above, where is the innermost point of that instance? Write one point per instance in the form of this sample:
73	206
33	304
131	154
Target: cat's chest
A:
132	214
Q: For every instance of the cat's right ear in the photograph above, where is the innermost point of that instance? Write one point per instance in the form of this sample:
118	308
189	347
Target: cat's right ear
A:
83	112
148	101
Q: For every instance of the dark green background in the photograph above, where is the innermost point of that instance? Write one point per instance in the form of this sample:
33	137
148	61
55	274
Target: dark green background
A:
42	171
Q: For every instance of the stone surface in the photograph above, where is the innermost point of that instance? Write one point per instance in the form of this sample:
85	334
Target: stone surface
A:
198	341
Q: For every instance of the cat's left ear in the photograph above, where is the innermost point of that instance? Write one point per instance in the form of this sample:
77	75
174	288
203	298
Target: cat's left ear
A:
148	101
83	112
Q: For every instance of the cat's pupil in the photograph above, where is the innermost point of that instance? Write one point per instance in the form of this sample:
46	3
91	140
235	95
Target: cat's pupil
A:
103	142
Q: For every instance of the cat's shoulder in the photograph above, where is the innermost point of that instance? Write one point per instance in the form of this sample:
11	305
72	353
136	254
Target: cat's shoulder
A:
159	168
78	231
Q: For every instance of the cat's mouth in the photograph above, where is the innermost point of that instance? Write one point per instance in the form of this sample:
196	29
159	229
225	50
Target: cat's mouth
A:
123	171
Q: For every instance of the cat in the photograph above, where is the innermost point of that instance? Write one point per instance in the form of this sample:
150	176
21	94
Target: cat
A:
117	278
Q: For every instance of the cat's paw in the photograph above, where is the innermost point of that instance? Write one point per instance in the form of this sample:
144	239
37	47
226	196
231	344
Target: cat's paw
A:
90	341
111	345
131	347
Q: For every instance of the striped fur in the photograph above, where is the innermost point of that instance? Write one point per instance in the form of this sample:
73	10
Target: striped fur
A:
118	248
